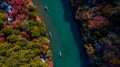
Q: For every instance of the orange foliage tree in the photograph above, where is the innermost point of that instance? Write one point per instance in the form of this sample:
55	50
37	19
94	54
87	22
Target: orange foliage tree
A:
97	22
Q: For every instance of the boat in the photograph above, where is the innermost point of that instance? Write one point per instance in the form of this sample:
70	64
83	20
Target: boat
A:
46	8
50	35
60	53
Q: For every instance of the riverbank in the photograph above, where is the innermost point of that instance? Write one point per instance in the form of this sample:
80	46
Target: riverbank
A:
23	36
38	18
99	28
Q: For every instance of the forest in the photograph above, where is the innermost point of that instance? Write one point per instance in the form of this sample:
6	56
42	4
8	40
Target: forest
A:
99	23
23	39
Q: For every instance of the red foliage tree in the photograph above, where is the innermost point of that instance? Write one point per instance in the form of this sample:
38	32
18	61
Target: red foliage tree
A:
2	39
13	14
26	35
15	23
98	22
11	2
21	16
19	8
18	2
21	2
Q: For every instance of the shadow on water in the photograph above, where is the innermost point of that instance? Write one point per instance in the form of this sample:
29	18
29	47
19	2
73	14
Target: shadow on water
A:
75	31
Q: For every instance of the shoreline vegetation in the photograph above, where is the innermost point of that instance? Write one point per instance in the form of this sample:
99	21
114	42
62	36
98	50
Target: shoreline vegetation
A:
23	36
99	23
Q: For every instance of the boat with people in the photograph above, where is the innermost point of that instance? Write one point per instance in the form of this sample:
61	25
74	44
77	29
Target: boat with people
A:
46	8
60	53
50	35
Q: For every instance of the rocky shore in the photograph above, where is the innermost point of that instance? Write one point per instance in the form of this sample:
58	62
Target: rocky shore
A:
99	23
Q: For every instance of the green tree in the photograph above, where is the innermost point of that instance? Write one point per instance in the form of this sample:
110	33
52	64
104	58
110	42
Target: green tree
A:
36	62
7	31
24	26
9	52
1	24
2	16
1	34
31	8
44	40
33	23
12	38
32	15
49	53
42	24
35	32
17	47
16	32
12	61
26	65
3	48
22	41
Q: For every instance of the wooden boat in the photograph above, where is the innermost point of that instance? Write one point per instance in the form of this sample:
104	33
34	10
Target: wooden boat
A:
46	8
50	35
60	53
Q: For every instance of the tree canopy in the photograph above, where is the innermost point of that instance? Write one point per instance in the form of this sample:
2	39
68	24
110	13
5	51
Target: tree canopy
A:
22	40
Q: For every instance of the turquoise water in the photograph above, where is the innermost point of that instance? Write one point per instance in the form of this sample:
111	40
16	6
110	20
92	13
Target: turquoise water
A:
65	35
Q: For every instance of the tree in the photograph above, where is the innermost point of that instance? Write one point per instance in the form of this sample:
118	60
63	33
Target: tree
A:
16	31
34	23
3	48
32	15
1	34
21	16
2	16
36	62
37	32
17	47
24	26
32	45
21	2
12	38
49	53
26	35
44	40
1	24
98	22
7	31
2	39
22	41
42	24
31	8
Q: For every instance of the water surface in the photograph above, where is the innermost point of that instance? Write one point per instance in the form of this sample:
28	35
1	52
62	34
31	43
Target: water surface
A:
65	35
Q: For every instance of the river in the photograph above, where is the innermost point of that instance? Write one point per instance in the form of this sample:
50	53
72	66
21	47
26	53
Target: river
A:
65	33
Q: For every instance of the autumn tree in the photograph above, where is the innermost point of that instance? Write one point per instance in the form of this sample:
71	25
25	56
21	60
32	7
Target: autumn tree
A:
97	22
